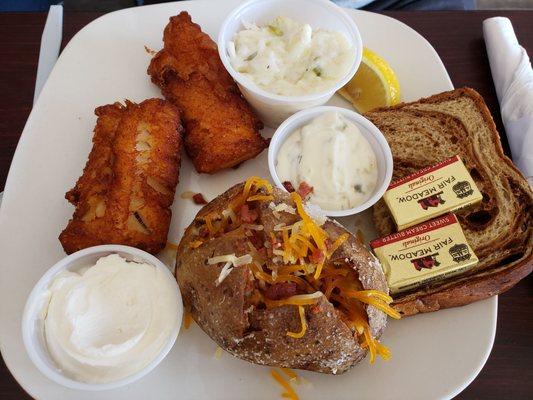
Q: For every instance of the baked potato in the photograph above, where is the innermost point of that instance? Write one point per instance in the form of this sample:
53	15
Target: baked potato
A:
273	286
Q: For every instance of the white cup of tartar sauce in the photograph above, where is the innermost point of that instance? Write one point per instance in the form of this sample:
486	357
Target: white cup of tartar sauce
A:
285	47
339	153
102	318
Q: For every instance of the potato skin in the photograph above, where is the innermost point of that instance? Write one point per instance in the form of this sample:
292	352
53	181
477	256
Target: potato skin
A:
260	335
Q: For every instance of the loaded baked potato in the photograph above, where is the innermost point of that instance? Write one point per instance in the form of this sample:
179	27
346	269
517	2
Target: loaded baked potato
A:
274	286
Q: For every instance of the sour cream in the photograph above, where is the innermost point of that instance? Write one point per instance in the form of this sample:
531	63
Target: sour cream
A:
109	320
289	58
331	155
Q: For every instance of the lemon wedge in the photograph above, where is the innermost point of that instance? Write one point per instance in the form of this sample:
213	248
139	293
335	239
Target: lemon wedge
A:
374	84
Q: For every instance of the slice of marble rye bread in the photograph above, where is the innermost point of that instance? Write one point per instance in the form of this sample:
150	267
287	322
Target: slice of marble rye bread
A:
499	229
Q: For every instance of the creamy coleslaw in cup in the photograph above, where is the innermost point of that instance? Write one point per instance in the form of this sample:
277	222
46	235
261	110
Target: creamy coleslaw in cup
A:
313	22
286	57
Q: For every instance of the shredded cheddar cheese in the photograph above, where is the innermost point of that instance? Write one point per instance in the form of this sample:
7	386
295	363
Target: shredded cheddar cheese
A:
377	299
259	197
172	246
230	261
216	223
195	244
318	270
187	318
360	324
296	300
338	243
298	335
289	391
300	254
290	373
258	272
218	352
256	182
316	232
209	224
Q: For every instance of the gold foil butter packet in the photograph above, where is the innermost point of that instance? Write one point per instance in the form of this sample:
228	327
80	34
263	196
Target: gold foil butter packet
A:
431	192
423	254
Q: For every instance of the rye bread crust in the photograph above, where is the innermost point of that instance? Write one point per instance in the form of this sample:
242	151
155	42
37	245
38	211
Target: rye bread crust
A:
505	252
259	335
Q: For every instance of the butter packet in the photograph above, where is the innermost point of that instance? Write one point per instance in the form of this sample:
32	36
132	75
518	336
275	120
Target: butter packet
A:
430	192
417	256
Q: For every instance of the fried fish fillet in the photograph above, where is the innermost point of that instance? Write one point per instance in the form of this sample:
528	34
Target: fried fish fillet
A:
127	187
221	129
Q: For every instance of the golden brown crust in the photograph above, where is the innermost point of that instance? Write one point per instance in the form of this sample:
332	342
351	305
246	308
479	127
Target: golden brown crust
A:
499	229
127	187
221	128
259	335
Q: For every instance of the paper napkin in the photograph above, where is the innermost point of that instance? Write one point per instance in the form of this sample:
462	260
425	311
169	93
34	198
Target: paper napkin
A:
513	80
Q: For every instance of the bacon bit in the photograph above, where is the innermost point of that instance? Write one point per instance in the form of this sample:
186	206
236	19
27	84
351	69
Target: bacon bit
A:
247	215
247	276
241	246
317	256
281	290
304	189
256	240
199	199
263	252
288	186
315	308
203	232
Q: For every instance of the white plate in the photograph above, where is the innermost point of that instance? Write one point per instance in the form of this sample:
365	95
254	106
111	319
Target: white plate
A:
434	356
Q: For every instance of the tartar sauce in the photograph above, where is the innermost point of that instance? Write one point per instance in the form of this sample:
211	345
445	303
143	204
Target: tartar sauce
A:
109	320
288	58
331	155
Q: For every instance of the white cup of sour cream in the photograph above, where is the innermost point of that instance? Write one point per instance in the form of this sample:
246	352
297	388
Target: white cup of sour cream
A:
319	14
88	337
368	134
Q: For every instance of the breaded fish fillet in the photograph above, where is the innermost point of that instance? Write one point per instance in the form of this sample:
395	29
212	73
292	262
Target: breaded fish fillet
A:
127	187
221	129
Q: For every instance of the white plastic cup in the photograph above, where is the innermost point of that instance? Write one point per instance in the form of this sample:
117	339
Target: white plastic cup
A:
32	321
273	108
370	132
